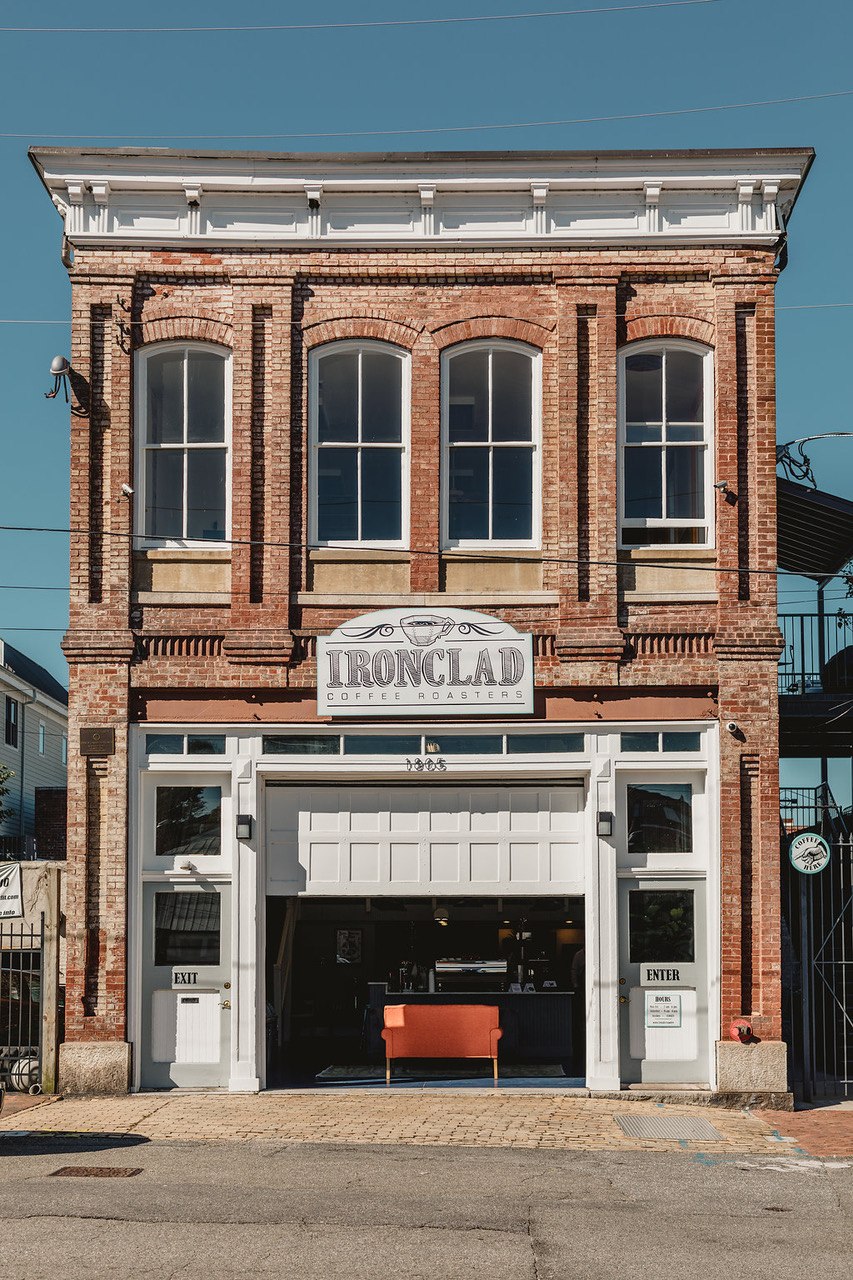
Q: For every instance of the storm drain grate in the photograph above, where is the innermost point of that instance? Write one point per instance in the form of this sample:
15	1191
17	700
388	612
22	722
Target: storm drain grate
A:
678	1128
92	1171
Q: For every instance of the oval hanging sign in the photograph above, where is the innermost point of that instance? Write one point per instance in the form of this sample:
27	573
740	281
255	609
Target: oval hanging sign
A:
809	853
401	662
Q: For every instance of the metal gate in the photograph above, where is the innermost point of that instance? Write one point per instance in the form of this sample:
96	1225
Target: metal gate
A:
21	989
817	949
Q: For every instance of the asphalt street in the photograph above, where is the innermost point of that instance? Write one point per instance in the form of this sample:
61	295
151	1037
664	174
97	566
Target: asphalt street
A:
210	1210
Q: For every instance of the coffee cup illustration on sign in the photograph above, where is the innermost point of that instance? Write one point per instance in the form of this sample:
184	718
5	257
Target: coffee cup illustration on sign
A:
425	628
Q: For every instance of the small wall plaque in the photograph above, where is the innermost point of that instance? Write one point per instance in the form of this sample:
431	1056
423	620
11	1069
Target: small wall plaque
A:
97	742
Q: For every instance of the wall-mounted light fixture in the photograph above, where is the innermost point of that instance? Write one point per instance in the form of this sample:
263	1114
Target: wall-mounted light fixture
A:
605	824
441	915
59	371
244	826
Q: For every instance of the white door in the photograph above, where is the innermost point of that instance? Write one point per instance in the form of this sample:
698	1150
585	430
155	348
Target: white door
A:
663	982
186	986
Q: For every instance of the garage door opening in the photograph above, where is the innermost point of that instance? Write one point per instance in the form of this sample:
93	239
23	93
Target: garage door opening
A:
333	964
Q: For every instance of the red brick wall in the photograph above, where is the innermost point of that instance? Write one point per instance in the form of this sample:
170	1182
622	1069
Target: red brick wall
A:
271	308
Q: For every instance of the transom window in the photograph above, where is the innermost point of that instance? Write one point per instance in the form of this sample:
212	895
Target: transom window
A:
360	411
666	411
183	407
491	416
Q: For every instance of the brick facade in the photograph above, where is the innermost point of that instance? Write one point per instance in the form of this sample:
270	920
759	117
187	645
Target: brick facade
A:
600	653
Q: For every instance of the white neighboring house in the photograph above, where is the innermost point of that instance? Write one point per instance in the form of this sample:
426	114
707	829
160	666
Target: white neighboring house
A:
33	744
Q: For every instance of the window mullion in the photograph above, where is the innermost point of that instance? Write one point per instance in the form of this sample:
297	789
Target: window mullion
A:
185	514
490	448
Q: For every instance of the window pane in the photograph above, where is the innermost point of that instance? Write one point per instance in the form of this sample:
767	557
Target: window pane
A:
512	493
188	822
164	744
206	744
512	396
469	493
337	495
523	744
337	410
301	744
186	928
681	536
639	742
681	431
206	494
205	397
659	818
460	744
469	397
639	433
643	496
681	742
643	388
684	386
381	397
164	493
165	378
388	744
685	484
660	924
381	495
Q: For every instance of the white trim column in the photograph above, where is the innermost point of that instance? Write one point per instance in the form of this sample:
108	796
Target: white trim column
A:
245	928
602	936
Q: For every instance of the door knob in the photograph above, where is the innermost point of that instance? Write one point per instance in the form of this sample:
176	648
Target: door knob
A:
225	1004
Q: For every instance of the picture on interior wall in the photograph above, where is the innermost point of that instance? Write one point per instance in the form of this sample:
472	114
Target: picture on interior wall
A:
348	948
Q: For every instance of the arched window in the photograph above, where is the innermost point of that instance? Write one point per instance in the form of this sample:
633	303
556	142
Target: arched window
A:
183	431
359	400
666	405
491	414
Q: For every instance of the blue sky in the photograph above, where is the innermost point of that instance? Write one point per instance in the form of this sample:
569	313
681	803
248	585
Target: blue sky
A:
169	88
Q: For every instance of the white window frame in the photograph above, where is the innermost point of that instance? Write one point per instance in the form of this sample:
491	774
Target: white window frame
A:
708	523
339	348
64	748
535	355
142	447
42	737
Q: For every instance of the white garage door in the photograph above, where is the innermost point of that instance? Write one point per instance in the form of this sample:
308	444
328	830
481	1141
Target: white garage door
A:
367	841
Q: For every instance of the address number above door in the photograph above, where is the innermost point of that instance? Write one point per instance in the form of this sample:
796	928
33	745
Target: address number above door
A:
401	662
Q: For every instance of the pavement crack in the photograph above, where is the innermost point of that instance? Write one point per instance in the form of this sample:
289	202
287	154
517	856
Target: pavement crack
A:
530	1237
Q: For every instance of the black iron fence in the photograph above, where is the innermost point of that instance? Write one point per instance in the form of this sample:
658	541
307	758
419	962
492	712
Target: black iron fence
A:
818	653
21	989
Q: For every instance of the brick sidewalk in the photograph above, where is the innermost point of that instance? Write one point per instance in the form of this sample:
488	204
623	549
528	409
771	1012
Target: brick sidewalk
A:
445	1118
818	1131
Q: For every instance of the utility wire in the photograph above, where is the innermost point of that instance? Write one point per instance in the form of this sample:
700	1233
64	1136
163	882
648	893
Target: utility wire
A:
346	26
456	128
479	556
805	306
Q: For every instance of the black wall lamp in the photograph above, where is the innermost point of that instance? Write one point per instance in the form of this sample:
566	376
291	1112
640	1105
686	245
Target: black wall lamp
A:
244	826
605	824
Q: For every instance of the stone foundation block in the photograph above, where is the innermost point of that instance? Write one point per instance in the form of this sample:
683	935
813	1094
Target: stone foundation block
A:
91	1067
761	1067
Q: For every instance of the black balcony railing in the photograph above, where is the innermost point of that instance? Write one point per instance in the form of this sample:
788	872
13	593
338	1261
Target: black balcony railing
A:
818	655
17	848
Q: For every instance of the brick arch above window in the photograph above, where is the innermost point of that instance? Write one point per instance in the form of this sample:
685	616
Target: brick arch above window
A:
366	327
183	328
500	327
670	326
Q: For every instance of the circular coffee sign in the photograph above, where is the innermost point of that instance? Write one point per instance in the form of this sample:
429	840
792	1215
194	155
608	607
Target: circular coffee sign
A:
809	853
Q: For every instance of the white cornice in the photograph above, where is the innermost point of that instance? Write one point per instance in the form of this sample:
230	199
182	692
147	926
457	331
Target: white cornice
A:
168	198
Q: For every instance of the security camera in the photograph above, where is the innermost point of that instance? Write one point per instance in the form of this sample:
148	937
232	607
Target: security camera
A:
732	726
126	491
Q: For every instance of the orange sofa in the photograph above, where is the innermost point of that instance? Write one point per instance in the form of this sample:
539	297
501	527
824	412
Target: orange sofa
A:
441	1031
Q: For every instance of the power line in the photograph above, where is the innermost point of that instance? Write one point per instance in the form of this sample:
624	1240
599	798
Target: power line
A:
479	556
346	26
805	306
456	128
